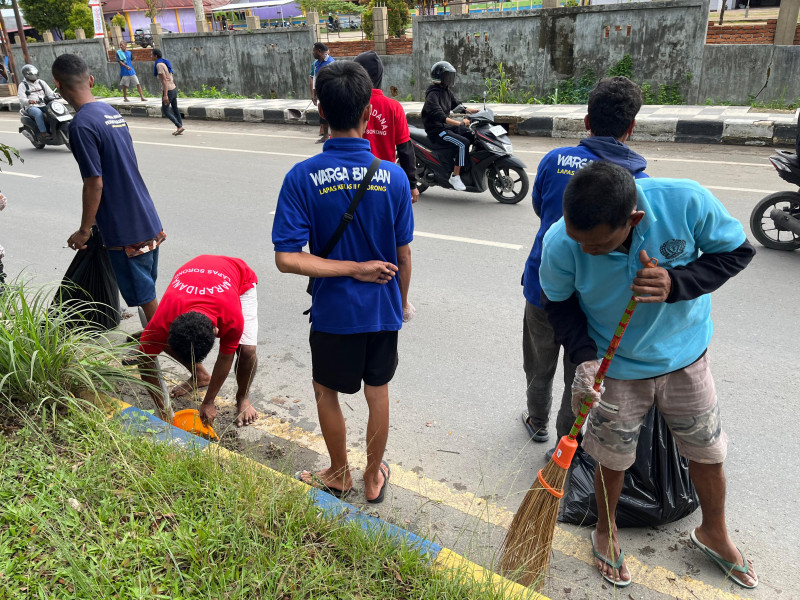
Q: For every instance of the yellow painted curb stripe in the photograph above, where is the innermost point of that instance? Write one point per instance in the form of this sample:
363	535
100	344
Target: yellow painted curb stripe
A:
455	564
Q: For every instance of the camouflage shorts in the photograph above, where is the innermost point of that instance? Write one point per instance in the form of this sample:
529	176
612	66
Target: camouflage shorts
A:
687	399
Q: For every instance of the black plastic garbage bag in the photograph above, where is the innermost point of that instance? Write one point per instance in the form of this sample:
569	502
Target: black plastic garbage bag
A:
657	487
90	287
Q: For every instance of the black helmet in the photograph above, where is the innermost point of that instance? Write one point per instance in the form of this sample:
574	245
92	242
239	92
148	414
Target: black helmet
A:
30	73
444	73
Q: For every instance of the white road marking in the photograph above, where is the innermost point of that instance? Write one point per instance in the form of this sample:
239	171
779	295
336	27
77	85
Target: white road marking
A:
693	161
734	189
22	175
287	137
454	238
218	149
718	187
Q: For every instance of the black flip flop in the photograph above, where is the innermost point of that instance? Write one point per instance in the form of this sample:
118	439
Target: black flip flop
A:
316	482
382	494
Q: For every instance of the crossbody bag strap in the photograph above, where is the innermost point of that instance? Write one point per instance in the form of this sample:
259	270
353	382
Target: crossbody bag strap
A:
347	218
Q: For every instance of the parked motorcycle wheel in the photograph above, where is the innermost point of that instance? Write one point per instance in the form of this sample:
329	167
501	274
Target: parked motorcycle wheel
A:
421	187
508	184
764	228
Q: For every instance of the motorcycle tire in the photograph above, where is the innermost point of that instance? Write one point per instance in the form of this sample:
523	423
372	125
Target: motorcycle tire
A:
65	137
764	228
503	186
421	187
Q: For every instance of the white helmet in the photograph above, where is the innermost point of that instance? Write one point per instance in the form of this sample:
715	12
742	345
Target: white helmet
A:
30	73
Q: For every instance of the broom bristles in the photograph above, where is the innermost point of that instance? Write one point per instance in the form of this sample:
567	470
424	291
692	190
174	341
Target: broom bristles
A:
529	539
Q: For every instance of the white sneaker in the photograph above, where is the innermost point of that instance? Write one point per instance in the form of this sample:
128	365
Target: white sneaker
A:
455	181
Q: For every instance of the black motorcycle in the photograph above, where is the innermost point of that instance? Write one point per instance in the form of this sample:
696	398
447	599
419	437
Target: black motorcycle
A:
775	221
490	163
57	118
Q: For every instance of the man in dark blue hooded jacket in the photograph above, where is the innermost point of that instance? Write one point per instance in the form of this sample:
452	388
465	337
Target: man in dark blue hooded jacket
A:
613	105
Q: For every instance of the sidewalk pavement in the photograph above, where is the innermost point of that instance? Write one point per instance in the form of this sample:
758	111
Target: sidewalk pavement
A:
739	125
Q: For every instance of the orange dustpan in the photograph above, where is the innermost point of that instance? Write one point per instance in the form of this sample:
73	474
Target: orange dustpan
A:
189	420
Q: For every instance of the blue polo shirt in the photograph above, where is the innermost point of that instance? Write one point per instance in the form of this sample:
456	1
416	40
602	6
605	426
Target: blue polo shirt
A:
317	65
682	220
314	196
552	176
126	57
102	145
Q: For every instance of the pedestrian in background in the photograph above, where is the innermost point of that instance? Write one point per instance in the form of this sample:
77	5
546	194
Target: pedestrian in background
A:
127	76
361	288
321	59
114	193
169	92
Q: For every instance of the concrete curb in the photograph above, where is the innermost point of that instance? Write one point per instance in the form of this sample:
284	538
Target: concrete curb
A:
141	423
734	125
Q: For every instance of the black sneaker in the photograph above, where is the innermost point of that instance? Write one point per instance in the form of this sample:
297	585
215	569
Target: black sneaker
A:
539	435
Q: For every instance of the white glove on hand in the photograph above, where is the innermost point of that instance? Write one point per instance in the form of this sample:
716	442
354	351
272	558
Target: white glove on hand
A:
583	385
408	312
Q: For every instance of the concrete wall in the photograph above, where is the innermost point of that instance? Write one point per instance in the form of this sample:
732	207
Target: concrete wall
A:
734	73
542	47
44	55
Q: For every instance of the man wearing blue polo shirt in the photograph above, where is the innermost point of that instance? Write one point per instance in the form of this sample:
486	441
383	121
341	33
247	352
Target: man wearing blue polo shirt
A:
360	292
127	74
593	257
114	193
321	59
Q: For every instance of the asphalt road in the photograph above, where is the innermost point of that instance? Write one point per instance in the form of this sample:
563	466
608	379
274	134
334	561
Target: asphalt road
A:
459	389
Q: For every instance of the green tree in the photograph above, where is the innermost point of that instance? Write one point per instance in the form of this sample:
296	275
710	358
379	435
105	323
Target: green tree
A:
47	14
119	20
399	17
80	17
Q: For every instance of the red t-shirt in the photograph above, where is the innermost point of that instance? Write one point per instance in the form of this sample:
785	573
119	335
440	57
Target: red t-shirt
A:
387	127
210	285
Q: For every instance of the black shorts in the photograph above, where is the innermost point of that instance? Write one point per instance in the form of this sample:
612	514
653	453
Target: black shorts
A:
341	362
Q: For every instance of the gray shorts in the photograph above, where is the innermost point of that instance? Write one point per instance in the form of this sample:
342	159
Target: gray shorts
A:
129	81
687	399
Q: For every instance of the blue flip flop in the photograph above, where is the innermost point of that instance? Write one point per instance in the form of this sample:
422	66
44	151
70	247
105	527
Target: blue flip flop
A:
613	564
727	567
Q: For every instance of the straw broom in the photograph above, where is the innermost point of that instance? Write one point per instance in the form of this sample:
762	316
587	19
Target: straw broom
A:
529	540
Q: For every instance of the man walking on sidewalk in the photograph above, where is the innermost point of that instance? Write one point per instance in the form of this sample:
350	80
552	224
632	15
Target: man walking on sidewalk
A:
127	76
114	193
361	288
611	117
169	92
321	59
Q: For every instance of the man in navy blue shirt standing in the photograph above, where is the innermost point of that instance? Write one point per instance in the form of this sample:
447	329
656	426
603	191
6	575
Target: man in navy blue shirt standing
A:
613	105
360	291
114	193
321	59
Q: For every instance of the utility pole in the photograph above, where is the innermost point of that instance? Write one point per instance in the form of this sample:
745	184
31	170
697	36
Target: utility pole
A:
21	32
7	43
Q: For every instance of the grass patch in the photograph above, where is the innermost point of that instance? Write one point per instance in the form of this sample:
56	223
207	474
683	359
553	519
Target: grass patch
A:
102	91
89	512
47	354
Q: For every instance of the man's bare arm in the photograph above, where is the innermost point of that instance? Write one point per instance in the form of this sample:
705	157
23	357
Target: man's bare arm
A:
303	263
404	274
92	193
218	375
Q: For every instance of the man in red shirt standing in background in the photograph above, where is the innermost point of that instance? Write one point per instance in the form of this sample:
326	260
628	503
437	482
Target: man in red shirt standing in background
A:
209	297
387	130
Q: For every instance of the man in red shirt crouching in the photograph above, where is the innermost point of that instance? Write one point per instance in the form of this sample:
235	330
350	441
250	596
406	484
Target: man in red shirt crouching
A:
209	297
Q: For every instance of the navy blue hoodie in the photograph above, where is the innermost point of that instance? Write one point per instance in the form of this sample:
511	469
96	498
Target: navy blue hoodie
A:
552	176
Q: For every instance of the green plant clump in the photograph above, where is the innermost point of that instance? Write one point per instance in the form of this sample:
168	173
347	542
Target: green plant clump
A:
89	512
399	17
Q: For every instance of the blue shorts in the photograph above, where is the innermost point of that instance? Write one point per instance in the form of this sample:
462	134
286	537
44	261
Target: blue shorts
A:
136	276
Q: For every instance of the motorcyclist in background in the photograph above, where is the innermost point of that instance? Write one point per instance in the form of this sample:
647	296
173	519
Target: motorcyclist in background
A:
34	94
439	103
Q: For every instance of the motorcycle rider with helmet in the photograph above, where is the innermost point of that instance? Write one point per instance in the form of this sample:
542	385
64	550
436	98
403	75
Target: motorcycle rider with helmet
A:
439	103
33	94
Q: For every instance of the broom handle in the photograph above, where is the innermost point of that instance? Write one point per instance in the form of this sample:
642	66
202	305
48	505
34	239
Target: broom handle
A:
612	349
